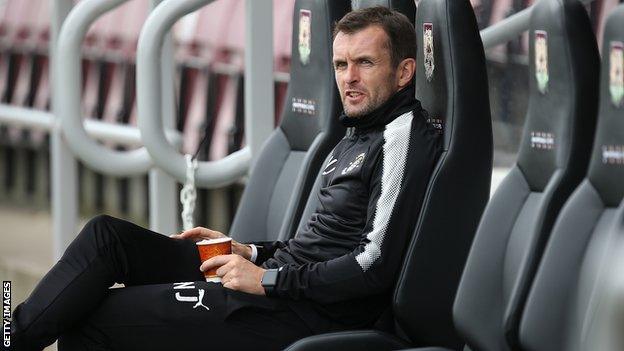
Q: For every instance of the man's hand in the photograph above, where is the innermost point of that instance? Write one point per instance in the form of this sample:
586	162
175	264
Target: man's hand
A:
200	233
237	273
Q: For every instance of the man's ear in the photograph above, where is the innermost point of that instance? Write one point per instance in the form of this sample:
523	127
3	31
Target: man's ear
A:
405	72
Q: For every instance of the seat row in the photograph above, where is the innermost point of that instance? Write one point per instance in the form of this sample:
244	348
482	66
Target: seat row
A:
511	273
534	276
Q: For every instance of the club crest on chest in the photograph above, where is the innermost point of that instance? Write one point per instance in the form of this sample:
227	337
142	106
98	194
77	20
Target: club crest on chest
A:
356	163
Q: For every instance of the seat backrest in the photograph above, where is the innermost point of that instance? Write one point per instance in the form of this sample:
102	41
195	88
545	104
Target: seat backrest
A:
408	9
552	160
451	83
456	96
561	303
288	163
405	7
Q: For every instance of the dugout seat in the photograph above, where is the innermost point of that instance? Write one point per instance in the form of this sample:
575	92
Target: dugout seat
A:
553	158
562	301
451	83
287	165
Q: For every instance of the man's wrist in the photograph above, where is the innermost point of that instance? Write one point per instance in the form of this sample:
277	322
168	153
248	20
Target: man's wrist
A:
243	250
269	281
254	253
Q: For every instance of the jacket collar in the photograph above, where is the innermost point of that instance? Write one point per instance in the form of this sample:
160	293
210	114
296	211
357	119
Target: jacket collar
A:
399	103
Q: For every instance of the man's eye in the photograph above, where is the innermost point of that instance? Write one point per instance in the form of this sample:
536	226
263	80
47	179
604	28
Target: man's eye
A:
366	62
340	65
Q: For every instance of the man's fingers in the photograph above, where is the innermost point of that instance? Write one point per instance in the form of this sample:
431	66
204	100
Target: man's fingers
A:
227	278
227	269
183	236
201	233
192	232
229	285
216	262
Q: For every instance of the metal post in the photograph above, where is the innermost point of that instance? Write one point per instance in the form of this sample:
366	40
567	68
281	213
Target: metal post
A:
163	199
259	115
64	167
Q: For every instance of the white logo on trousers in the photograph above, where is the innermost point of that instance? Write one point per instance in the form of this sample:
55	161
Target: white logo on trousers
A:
197	299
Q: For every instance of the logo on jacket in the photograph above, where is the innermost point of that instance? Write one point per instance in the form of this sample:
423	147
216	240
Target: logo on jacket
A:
331	163
305	19
198	300
541	60
428	50
616	72
359	159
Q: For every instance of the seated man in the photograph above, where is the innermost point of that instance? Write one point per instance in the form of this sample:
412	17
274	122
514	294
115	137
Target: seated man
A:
336	274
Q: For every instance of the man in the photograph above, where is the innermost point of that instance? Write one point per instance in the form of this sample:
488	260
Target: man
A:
336	274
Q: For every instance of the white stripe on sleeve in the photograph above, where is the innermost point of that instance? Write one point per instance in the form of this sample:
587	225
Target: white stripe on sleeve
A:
396	143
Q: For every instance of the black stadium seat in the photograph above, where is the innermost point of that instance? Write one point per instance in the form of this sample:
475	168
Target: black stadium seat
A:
456	96
405	7
561	303
552	160
287	165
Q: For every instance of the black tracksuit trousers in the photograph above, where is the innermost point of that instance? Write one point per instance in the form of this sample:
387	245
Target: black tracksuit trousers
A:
73	301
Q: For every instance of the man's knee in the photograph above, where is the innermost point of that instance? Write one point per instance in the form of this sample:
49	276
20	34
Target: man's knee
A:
100	220
101	228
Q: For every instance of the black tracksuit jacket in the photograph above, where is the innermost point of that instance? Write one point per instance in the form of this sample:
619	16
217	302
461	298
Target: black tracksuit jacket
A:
344	262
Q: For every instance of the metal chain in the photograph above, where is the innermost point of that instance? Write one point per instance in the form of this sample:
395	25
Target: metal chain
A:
188	194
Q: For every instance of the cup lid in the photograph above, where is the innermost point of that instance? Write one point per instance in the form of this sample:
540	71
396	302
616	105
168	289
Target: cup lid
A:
213	241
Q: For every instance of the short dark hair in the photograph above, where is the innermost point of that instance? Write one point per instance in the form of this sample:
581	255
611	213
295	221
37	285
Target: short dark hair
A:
398	28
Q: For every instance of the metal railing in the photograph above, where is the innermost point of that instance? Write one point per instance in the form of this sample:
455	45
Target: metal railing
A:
258	77
123	134
68	66
509	28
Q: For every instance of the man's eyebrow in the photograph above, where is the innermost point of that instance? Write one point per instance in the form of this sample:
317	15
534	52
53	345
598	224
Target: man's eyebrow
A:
365	57
368	57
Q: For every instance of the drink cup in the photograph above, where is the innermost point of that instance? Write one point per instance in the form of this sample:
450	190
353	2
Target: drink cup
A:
210	248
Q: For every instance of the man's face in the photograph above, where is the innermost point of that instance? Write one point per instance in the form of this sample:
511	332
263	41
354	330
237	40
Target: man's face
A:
363	70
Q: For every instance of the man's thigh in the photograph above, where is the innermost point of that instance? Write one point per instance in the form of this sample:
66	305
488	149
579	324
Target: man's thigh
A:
186	316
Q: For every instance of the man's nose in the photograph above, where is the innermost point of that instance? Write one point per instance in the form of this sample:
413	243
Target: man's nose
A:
352	74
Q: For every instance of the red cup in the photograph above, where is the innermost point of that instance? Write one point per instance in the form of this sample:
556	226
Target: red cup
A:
210	248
